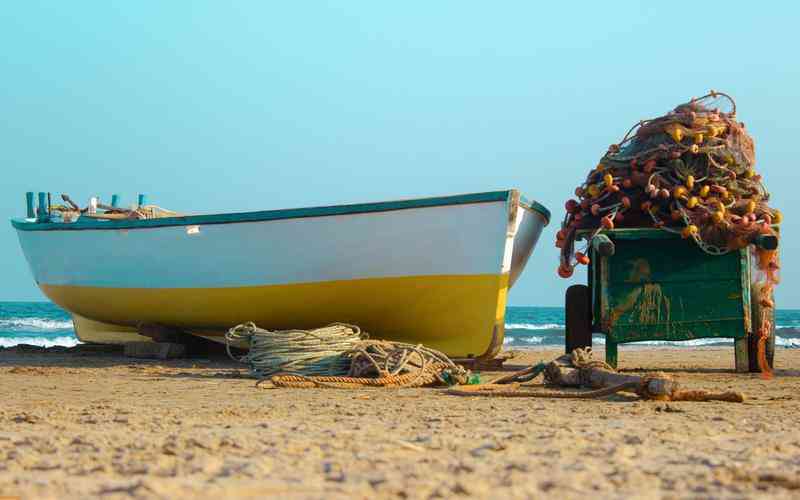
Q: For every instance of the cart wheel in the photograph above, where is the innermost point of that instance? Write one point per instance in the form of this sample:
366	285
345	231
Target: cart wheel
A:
757	314
578	318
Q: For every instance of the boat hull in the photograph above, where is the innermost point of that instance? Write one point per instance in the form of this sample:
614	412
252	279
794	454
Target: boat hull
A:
437	275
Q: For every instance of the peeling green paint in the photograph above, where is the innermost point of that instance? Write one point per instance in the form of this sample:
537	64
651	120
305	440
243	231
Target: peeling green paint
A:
659	288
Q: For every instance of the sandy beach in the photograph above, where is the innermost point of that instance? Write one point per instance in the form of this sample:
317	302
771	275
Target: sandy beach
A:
79	424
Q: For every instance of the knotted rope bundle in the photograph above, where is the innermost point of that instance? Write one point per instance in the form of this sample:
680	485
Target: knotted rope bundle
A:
304	352
380	363
578	369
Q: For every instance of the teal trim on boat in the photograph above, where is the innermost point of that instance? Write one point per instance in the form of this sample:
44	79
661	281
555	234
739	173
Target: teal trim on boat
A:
267	215
536	207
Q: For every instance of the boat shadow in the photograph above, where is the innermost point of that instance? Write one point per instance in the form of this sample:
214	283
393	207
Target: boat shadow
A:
212	372
28	357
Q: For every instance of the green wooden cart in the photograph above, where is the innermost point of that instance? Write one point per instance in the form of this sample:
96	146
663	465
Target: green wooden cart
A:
649	284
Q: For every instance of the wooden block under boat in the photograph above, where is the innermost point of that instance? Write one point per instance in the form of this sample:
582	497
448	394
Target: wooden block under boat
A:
154	350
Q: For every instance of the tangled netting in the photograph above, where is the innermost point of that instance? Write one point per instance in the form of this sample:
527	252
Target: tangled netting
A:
690	172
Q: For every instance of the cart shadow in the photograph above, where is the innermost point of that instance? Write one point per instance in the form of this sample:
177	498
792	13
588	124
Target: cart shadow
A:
780	372
212	373
640	369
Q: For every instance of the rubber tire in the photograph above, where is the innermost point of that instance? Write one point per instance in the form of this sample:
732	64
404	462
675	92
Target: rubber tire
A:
752	345
578	305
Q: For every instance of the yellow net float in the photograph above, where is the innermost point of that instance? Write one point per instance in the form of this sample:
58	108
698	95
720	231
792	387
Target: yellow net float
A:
675	131
689	231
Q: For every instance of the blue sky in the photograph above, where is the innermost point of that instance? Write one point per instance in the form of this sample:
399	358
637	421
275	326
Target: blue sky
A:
217	106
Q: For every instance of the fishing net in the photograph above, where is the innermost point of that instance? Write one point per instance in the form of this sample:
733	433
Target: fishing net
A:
691	172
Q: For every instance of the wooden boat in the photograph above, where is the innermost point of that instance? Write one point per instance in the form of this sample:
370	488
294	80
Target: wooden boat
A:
433	270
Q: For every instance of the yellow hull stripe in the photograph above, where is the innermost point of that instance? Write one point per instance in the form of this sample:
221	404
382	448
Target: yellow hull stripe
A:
460	315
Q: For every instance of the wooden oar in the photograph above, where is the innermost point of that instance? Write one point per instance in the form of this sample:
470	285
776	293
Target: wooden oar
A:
110	216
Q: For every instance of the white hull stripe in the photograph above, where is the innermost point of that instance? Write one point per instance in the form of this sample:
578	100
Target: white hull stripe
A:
466	239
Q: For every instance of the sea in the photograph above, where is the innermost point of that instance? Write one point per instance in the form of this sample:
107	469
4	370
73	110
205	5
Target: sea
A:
45	324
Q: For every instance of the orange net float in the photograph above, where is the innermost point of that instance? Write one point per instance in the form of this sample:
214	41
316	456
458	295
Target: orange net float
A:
582	258
565	271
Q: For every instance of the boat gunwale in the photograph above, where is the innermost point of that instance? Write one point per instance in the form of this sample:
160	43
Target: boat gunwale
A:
279	214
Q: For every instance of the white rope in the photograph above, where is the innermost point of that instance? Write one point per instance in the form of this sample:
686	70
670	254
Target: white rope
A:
304	352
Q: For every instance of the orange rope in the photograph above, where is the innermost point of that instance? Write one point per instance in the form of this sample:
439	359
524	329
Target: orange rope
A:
419	378
767	263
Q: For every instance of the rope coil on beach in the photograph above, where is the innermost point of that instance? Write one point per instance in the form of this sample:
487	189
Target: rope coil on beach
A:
303	352
339	355
380	363
412	379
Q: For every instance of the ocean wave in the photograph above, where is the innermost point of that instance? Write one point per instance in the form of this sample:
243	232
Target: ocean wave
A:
788	328
527	341
683	343
523	340
63	341
34	324
534	326
784	342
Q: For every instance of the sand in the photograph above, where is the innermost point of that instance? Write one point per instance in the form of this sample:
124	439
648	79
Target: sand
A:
77	425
